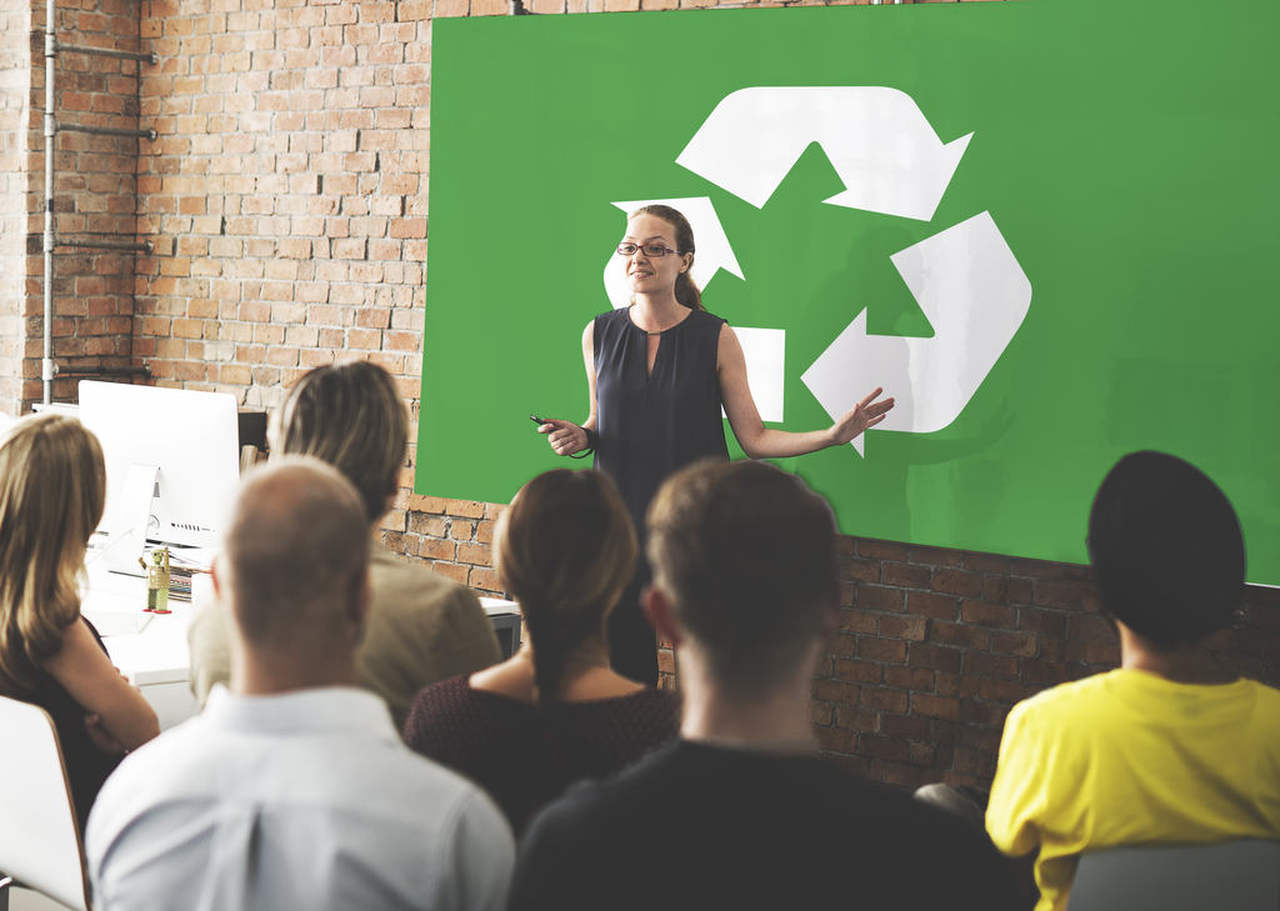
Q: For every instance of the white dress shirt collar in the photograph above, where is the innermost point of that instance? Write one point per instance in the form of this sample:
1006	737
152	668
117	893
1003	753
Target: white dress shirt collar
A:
327	709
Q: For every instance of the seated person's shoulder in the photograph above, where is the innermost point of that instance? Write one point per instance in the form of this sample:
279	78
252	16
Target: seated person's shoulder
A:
401	588
1084	703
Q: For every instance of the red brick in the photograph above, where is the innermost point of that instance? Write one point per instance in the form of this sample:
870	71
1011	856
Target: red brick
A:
856	717
892	650
957	582
882	550
437	549
1025	645
1019	591
988	614
909	678
930	605
858	671
878	598
860	570
843	645
478	554
1001	667
1056	593
905	727
935	556
905	575
986	563
451	571
883	699
882	747
485	579
935	706
857	621
467	509
922	654
903	627
959	634
834	691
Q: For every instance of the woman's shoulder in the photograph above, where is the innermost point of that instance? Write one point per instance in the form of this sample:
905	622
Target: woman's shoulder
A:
452	720
707	318
612	317
660	707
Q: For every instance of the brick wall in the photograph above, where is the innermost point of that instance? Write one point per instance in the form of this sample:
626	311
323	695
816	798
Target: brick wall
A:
15	95
936	645
286	199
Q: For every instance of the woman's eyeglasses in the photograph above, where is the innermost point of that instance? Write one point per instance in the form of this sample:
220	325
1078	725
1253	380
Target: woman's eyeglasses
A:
646	249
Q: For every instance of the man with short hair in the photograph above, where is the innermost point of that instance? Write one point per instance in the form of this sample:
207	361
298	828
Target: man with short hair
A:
1171	747
293	789
742	812
420	627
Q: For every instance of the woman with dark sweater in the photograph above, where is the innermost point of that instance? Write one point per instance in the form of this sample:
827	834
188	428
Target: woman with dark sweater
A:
555	712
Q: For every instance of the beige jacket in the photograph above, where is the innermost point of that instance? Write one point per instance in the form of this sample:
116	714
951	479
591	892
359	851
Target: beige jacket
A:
421	628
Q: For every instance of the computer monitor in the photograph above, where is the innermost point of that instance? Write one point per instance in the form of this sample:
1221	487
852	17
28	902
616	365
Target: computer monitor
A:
173	461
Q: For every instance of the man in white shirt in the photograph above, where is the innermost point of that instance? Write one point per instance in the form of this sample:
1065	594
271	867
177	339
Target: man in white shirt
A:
293	789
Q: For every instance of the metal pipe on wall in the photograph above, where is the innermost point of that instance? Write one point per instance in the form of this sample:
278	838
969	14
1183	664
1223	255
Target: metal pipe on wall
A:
127	245
47	369
150	57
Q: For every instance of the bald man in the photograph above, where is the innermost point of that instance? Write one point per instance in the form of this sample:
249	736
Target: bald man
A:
293	789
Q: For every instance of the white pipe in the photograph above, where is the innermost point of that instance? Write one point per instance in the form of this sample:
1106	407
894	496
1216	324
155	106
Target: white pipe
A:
50	56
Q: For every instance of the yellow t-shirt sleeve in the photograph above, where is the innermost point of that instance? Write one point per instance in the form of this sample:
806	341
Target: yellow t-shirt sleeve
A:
1017	793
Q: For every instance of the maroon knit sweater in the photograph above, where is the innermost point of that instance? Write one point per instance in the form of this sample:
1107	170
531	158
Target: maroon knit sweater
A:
524	755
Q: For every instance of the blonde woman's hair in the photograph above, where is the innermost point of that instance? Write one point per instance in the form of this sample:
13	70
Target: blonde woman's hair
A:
52	491
565	549
351	416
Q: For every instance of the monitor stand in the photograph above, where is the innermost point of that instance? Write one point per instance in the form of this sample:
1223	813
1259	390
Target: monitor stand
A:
130	514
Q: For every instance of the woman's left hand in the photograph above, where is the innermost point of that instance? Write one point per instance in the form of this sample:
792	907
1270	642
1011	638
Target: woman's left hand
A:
867	413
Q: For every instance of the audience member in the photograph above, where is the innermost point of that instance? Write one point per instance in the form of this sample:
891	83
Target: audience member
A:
421	627
1171	747
742	812
52	491
555	712
293	789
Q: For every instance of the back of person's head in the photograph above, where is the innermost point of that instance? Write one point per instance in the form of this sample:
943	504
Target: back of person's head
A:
565	549
1167	552
296	557
351	416
52	491
747	555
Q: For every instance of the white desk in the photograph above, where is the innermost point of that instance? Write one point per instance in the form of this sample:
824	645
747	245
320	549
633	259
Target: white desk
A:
157	660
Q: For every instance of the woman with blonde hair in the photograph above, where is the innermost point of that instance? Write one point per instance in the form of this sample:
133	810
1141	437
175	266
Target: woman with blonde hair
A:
52	493
555	712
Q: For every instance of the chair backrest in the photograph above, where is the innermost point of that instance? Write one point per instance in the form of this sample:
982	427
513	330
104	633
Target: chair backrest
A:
1241	875
39	839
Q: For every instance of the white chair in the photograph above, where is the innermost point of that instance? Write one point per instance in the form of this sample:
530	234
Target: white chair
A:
39	838
1237	875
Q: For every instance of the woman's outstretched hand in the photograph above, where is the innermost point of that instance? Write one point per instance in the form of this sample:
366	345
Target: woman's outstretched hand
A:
565	437
867	413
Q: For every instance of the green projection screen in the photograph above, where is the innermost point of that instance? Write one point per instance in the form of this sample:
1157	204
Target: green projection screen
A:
1048	227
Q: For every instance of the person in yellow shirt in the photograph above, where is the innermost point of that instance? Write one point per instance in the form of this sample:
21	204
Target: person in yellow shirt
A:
1171	747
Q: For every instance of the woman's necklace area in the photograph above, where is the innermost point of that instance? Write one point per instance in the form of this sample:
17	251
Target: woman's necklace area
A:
678	321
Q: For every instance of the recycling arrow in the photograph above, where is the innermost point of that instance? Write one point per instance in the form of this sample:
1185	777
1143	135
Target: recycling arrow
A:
975	296
881	146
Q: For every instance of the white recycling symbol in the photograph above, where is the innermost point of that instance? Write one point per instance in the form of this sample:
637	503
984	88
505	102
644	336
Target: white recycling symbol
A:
965	278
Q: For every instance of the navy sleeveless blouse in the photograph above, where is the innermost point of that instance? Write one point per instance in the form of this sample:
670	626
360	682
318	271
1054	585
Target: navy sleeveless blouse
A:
651	425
